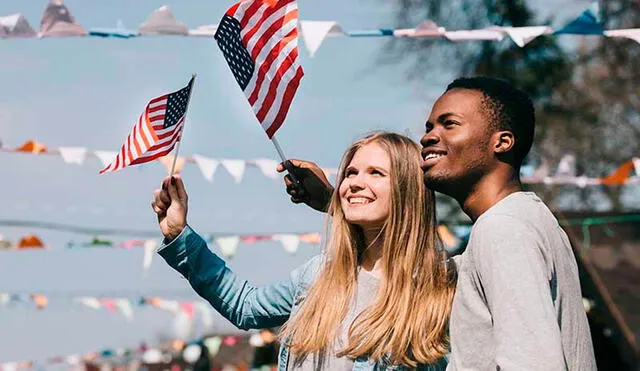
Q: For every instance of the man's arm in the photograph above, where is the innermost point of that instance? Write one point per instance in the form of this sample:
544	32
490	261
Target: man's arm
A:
516	282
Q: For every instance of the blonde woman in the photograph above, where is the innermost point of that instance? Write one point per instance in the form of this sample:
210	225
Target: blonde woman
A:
378	297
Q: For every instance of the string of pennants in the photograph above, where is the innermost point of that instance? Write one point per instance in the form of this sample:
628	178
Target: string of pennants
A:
166	352
565	173
57	21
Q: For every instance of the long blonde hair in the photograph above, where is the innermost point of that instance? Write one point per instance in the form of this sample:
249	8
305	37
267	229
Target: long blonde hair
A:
407	322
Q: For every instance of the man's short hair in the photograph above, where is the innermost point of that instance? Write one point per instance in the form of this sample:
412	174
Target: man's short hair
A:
507	107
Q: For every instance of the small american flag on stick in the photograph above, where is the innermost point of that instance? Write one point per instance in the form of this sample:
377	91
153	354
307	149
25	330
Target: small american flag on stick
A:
157	131
259	40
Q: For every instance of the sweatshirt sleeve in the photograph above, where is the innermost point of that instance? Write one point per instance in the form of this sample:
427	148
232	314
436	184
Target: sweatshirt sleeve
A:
245	305
516	281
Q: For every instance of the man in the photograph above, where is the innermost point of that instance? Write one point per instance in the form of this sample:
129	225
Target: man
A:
518	304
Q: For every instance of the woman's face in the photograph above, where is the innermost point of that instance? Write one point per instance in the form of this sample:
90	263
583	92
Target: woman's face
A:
365	191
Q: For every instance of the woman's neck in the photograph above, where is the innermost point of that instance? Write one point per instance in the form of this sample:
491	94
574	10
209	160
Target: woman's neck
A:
371	257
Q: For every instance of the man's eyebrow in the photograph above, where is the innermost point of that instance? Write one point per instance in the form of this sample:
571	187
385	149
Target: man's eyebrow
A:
445	115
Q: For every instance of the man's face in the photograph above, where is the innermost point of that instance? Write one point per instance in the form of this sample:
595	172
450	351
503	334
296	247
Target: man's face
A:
456	146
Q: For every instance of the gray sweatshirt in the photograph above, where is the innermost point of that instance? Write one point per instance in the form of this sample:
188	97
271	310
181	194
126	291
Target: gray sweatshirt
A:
518	304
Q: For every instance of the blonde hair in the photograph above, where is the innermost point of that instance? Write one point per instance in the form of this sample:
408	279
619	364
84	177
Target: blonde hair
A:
407	322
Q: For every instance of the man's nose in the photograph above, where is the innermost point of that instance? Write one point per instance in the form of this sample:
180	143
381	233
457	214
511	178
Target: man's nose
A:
430	138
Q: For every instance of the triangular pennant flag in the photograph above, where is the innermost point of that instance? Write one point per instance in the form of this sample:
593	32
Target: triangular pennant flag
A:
106	157
168	305
73	359
488	34
256	341
208	30
524	35
182	325
208	166
57	21
619	176
4	299
587	23
90	302
235	168
205	314
125	307
73	155
213	345
632	33
109	304
268	167
167	161
188	309
150	247
314	33
40	301
636	165
424	29
32	146
312	238
16	25
30	242
448	238
290	242
163	22
567	166
9	366
228	245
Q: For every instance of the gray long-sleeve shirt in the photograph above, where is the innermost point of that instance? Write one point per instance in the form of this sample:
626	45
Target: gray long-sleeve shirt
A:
518	304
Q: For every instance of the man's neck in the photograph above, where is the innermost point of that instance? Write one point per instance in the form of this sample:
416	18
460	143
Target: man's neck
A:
487	192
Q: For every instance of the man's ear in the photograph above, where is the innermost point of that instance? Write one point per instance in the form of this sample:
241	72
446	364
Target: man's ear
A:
503	142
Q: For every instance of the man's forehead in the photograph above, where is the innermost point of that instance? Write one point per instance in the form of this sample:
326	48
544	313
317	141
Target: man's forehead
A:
457	101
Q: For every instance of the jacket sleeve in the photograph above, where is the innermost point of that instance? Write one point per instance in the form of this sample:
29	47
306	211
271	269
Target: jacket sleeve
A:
245	305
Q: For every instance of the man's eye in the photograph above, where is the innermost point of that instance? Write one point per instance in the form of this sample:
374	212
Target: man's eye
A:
450	123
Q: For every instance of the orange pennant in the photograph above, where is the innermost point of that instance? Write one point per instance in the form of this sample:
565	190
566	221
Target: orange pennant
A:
41	301
312	238
620	175
30	242
446	236
167	161
32	147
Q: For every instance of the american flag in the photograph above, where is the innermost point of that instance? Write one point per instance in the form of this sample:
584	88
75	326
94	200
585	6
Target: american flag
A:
157	131
259	40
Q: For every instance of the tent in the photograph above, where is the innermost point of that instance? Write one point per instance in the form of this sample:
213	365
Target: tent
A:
57	21
162	22
16	25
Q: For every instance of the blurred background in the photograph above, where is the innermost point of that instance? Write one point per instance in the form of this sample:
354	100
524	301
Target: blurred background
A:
80	285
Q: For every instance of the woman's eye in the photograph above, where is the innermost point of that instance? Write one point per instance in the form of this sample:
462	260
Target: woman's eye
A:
350	173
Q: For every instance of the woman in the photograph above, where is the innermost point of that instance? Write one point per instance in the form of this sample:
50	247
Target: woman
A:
378	297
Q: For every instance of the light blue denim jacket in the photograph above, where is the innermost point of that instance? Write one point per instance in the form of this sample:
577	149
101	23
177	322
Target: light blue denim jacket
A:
247	306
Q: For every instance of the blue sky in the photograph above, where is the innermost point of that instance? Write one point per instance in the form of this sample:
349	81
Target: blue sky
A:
88	92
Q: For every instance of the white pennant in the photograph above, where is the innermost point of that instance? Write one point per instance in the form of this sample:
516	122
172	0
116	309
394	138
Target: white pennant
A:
213	344
636	165
125	307
567	166
268	167
424	29
207	166
150	247
290	242
106	157
90	302
228	245
314	33
73	155
235	168
9	366
524	35
4	299
256	340
489	34
73	359
205	313
632	33
170	306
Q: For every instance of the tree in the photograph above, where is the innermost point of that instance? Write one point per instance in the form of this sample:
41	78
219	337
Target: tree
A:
587	94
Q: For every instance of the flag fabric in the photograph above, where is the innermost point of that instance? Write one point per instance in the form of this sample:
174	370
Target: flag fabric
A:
157	131
259	40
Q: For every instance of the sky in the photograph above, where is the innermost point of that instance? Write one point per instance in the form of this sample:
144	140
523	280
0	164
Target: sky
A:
88	92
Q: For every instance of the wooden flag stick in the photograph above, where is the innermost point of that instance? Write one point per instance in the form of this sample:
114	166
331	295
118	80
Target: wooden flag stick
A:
175	155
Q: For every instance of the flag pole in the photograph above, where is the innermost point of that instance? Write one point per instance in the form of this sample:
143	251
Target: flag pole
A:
175	155
283	157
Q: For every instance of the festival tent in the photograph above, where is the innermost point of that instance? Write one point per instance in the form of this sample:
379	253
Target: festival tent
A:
57	21
120	31
162	22
16	25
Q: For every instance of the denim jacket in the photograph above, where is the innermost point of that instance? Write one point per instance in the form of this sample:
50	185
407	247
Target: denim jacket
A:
247	306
